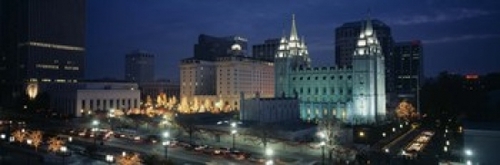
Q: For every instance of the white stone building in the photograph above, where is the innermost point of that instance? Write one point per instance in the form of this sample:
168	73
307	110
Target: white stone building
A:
88	97
269	110
355	95
220	82
106	96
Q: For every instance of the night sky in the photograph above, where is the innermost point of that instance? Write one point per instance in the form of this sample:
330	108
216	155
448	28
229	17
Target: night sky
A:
460	36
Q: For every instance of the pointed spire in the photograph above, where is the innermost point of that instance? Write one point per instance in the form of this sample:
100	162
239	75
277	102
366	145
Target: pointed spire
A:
369	27
293	32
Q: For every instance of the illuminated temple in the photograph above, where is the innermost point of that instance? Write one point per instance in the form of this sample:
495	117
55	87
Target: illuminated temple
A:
355	94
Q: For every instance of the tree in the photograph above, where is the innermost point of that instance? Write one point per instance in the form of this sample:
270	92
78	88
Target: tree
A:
133	159
19	136
36	138
55	144
330	129
186	123
262	132
405	111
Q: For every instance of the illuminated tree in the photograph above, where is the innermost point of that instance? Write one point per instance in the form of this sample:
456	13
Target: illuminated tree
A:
330	129
133	159
36	138
172	102
159	101
55	144
195	106
184	106
405	111
208	105
149	101
19	136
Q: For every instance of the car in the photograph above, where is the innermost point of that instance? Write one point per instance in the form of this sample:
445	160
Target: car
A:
256	159
200	147
238	155
220	151
152	139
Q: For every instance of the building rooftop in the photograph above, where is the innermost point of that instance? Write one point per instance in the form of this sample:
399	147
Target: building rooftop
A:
485	126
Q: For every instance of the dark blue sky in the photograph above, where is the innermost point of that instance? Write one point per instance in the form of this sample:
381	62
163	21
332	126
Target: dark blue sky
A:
461	36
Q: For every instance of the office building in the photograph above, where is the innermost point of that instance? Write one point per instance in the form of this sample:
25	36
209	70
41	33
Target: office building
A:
220	82
139	67
42	43
408	70
209	48
267	50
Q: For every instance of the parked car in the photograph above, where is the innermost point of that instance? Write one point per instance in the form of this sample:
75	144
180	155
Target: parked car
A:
200	147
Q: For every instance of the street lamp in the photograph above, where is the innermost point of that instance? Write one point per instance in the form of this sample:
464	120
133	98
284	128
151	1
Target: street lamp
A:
233	132
468	152
109	159
29	141
63	152
95	125
322	144
269	153
166	143
70	139
361	134
111	116
468	156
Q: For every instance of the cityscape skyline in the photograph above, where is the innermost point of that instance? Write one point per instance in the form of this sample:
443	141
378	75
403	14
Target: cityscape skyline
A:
170	29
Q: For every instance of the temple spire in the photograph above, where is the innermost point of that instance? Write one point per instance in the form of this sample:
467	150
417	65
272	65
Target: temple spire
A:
293	32
368	27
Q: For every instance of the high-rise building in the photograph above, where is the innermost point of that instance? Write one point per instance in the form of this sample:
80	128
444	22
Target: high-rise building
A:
408	69
42	44
197	77
223	80
139	67
209	47
267	50
346	38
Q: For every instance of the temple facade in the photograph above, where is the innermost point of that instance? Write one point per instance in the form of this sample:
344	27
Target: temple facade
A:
354	94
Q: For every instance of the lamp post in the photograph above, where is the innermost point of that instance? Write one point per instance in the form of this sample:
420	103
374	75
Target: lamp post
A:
63	152
269	154
233	132
166	143
322	144
111	116
95	125
109	159
468	156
